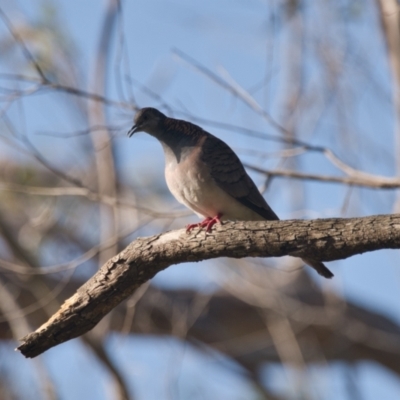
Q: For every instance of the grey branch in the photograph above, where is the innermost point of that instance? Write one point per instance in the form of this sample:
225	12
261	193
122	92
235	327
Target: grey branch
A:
321	239
356	179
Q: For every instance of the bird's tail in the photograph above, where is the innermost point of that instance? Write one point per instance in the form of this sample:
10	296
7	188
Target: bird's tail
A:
319	267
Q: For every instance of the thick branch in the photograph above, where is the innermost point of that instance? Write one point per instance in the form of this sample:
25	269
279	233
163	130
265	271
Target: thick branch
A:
323	239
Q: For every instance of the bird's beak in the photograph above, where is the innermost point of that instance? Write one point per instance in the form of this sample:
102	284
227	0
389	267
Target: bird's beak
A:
134	129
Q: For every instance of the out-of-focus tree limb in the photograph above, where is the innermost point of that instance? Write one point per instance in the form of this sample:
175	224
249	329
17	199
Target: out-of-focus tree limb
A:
390	21
325	239
81	191
377	182
102	144
98	348
334	328
329	329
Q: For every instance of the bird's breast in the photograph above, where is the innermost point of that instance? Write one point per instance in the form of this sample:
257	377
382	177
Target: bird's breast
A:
188	180
191	183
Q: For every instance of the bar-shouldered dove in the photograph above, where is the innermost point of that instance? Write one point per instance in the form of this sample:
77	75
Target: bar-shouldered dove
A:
205	174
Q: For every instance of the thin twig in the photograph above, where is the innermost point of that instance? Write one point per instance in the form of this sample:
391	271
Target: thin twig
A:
371	181
24	48
232	87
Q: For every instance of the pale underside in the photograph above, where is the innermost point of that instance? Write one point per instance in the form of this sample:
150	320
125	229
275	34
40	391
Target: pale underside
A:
191	184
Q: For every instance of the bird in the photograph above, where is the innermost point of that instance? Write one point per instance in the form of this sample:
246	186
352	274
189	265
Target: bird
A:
205	174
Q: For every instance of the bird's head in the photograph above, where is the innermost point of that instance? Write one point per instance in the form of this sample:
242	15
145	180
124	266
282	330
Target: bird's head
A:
146	120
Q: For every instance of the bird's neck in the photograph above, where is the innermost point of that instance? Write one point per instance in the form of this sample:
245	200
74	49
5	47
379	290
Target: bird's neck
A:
177	148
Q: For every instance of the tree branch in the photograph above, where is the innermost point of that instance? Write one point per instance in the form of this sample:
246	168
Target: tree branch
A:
377	182
322	239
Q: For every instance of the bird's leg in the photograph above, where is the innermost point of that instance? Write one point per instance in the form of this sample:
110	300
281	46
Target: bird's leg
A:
198	225
212	221
208	223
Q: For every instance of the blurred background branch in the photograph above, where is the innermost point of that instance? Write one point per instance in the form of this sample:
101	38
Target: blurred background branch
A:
300	89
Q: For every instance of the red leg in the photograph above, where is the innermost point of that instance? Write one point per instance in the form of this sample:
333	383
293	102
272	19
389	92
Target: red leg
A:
213	221
208	223
198	225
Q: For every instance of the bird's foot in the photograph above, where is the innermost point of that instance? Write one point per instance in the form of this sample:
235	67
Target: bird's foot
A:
211	222
198	225
208	223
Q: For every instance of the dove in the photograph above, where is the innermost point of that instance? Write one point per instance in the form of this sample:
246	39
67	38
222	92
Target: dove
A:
205	174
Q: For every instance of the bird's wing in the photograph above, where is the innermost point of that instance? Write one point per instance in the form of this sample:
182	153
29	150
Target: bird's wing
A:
229	174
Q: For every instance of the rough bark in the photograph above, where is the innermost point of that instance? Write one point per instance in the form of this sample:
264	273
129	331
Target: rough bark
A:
324	239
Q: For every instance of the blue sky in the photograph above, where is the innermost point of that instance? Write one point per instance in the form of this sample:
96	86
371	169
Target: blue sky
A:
247	42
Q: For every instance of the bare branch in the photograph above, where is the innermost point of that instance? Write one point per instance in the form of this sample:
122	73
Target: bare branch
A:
103	154
232	87
324	239
371	181
42	86
98	348
25	49
90	195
